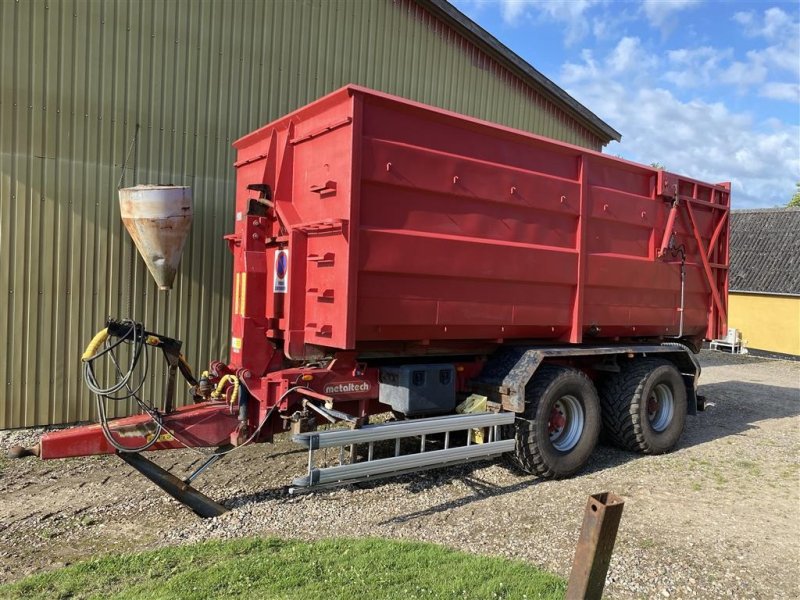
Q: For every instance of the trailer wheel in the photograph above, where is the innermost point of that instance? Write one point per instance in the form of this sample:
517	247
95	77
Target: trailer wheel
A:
560	426
644	406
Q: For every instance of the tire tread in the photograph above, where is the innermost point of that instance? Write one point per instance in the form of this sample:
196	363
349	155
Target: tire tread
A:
527	455
621	417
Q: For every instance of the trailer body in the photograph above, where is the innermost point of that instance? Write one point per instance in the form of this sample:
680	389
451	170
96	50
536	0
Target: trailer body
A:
398	228
391	255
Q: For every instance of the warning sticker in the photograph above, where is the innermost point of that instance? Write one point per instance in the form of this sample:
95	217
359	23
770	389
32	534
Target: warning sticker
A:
236	344
242	294
281	280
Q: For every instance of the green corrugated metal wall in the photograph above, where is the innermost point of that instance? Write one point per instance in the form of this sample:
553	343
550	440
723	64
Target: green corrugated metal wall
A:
77	76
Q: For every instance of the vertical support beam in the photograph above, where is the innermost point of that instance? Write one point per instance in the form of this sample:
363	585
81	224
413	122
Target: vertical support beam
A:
595	545
172	371
720	323
295	307
725	259
576	331
356	139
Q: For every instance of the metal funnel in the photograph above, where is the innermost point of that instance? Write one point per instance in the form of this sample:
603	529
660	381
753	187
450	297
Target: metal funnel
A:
158	218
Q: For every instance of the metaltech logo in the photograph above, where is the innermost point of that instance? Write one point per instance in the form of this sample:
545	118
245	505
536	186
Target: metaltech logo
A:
348	387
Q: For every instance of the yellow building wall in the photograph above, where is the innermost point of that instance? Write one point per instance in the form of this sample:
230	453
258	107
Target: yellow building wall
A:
769	323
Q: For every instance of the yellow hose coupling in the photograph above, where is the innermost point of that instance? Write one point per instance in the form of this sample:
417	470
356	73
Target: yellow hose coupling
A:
234	381
97	341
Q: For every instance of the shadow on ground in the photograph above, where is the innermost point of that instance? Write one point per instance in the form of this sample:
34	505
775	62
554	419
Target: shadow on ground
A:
733	409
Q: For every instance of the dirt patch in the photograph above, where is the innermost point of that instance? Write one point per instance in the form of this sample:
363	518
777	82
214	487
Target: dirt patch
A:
717	518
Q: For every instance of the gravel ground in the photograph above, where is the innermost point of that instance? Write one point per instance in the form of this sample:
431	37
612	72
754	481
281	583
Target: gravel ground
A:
717	518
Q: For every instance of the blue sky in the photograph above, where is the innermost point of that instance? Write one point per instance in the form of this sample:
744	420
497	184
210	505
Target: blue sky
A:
708	88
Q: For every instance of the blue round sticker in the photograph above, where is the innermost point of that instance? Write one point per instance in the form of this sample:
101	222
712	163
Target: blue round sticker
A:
282	265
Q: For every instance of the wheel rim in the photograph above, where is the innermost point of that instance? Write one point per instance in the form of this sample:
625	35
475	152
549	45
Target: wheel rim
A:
566	423
660	407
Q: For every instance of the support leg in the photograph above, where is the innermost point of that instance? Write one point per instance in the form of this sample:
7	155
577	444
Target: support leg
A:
201	504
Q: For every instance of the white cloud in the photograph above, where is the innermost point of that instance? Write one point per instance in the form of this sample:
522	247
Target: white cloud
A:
744	74
774	24
629	55
783	33
785	56
588	69
660	13
790	92
628	58
694	67
512	10
707	66
704	140
745	19
762	69
571	14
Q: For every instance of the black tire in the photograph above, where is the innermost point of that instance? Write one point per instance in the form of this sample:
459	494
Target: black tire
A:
537	452
633	406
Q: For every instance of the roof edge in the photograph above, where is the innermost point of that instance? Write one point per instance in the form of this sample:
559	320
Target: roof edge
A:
487	42
776	209
760	293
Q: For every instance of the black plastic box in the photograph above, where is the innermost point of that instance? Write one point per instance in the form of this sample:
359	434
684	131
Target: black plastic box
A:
419	389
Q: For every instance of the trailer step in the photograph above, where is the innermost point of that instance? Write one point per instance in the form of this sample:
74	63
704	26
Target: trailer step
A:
375	468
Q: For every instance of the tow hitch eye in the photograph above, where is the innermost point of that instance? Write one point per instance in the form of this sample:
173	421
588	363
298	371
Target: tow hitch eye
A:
22	451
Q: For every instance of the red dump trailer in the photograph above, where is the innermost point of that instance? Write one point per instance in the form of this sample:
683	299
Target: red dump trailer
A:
466	276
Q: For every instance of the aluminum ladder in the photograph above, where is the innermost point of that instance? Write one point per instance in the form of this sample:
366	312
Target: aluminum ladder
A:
375	468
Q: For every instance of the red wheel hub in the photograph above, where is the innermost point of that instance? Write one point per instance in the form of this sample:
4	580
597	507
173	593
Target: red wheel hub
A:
652	405
557	421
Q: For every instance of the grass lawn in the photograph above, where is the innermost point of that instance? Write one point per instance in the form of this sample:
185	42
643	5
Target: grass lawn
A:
270	568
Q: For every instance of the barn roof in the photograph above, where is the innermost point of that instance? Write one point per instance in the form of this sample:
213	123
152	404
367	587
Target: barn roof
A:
765	251
505	56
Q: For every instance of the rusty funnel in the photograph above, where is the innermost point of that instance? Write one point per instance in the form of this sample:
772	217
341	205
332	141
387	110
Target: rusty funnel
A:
158	218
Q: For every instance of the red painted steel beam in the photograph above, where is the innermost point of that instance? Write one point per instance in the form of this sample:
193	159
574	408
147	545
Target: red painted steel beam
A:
576	331
701	249
199	425
717	231
673	211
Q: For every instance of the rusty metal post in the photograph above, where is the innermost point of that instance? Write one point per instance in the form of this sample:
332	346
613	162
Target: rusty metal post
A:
595	544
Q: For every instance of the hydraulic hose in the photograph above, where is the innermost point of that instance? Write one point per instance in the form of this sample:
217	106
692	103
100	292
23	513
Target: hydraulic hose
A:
135	336
103	394
234	381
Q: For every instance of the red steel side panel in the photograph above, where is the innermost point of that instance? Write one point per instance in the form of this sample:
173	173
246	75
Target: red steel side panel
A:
405	223
306	159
